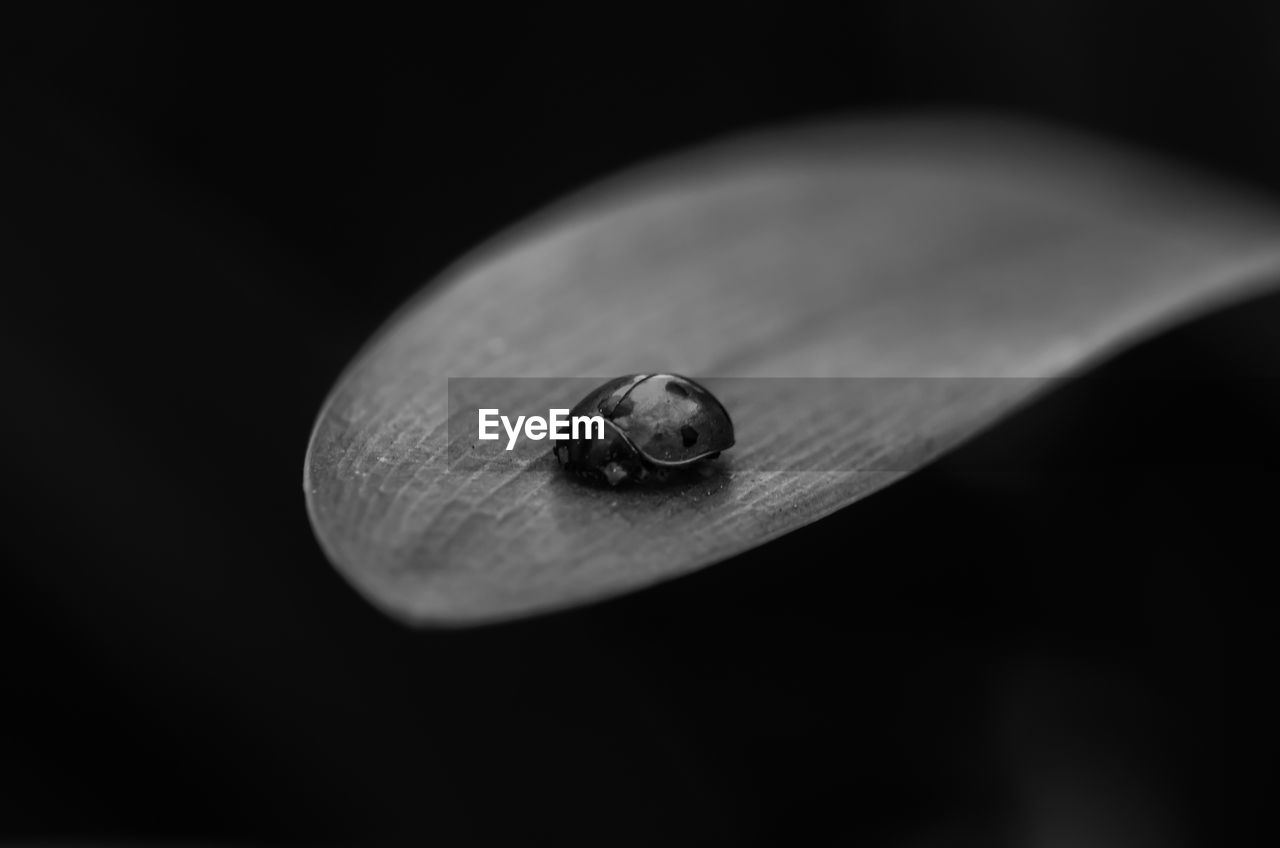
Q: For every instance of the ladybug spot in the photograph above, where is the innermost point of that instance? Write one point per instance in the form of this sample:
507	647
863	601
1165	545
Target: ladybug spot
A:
689	435
623	409
676	389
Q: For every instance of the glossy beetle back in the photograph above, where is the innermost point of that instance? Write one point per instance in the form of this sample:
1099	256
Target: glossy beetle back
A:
658	420
672	420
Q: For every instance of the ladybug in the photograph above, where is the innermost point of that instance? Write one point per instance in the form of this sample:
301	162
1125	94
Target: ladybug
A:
653	424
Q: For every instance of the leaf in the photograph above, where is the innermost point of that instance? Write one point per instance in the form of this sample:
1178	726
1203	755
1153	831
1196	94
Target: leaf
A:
920	264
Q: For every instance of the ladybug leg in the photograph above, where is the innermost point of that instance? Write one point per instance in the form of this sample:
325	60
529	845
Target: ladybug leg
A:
614	473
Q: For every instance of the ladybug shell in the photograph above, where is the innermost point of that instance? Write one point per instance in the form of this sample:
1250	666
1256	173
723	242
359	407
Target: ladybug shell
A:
667	419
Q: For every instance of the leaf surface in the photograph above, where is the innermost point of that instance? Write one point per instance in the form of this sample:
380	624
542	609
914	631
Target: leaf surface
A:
930	275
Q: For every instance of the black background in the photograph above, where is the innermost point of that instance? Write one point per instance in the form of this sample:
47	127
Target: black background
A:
205	213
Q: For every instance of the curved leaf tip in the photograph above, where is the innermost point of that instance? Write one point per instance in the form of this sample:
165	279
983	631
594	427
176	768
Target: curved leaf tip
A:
940	271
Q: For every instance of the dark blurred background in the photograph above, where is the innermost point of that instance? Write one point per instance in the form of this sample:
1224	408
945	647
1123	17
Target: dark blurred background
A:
1056	634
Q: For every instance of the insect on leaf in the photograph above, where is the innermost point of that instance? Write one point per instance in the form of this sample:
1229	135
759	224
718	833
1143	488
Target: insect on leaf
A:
927	275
